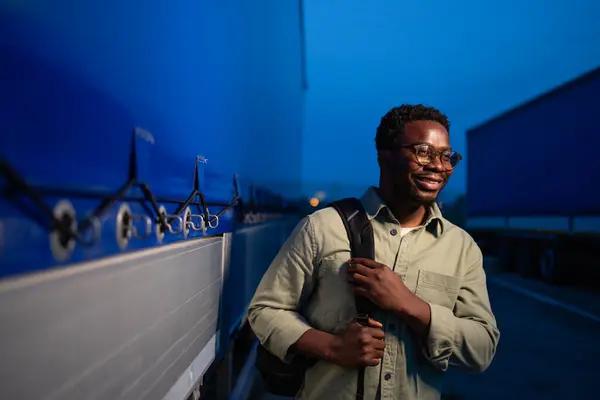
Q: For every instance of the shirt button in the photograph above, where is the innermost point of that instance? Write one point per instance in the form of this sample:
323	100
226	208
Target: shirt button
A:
387	376
394	232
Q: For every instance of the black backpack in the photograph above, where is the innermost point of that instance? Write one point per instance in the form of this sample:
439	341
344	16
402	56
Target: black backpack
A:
285	379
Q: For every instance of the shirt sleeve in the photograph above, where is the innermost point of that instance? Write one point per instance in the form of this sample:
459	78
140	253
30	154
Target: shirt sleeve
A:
467	336
273	313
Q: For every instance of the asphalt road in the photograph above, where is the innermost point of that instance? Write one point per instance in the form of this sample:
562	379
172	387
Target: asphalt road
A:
549	346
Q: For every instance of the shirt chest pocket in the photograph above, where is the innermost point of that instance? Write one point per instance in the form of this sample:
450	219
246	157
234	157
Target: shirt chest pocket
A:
333	299
437	288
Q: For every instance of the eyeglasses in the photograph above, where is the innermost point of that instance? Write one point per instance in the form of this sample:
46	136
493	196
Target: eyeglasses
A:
426	154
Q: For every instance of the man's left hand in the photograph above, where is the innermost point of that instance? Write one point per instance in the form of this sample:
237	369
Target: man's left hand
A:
380	284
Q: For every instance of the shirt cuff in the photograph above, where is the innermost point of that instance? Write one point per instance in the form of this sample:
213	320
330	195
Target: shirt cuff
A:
440	339
285	330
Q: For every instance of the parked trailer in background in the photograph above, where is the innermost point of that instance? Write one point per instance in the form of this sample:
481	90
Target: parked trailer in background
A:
533	190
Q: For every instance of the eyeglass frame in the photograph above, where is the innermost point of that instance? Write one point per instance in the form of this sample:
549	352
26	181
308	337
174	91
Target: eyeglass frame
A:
436	153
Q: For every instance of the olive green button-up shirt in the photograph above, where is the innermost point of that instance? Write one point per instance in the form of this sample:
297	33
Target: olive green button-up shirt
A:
305	287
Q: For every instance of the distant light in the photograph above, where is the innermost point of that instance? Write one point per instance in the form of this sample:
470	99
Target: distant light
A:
320	195
313	202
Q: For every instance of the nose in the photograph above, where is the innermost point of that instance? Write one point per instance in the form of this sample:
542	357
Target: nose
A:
436	164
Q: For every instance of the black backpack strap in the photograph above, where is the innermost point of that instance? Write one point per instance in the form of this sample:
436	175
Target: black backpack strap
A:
362	244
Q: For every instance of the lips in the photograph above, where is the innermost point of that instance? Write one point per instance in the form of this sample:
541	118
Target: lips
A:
429	183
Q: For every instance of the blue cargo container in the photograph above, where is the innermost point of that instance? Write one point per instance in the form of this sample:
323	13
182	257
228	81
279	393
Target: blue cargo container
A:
119	299
532	181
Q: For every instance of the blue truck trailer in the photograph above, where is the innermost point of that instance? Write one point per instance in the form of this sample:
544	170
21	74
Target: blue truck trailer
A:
533	197
129	248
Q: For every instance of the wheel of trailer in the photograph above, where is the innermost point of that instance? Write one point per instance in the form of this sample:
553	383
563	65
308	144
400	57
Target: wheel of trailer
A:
550	270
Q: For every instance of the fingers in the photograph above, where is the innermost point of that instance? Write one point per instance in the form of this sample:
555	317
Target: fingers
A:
357	279
371	340
372	331
354	268
379	346
373	357
365	262
374	324
373	362
377	333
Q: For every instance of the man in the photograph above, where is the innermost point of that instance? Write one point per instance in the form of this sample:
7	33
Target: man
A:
427	280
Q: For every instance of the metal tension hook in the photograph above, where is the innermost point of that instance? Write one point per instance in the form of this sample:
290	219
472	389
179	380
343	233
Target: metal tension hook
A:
213	219
168	217
126	227
201	226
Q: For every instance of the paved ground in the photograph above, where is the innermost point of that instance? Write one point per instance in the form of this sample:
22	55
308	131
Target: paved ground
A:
549	346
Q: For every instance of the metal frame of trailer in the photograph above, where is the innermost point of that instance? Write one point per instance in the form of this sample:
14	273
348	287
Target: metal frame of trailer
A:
163	323
136	326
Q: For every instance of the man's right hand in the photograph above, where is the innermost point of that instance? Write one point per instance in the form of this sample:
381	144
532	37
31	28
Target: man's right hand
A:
359	345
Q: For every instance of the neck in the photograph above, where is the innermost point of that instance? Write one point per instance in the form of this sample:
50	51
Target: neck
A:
408	213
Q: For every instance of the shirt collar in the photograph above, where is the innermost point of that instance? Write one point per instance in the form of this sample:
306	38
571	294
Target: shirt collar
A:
374	205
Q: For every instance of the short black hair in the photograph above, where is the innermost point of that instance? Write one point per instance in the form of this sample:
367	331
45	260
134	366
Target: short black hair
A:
393	122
